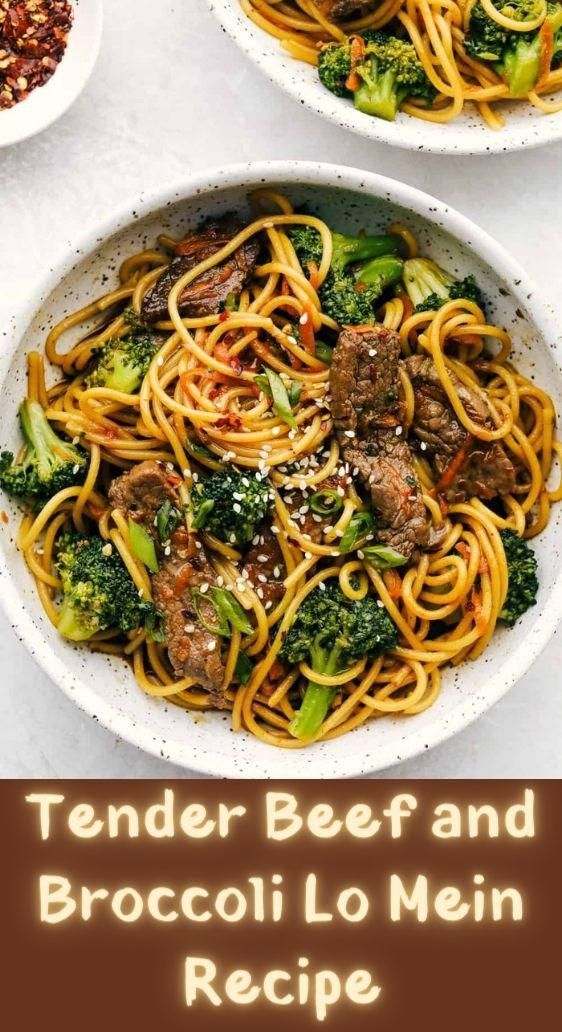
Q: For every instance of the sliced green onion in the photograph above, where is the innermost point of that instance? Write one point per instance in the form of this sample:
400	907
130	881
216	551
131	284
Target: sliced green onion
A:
167	519
272	385
231	303
243	668
143	546
359	525
324	352
203	511
383	557
231	610
193	445
326	503
222	626
294	392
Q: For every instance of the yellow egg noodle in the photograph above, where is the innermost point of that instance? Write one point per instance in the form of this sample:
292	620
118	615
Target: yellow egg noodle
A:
438	30
190	388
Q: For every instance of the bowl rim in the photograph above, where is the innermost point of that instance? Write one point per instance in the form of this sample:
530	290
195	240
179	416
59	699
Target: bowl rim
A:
543	130
194	188
20	130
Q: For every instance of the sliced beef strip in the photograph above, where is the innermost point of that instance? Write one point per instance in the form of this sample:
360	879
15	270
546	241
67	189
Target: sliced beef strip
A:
368	413
208	293
265	560
485	469
193	650
338	9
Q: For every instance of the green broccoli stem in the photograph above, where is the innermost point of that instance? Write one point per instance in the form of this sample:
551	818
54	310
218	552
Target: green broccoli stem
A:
70	625
40	435
521	66
379	95
318	697
362	248
381	273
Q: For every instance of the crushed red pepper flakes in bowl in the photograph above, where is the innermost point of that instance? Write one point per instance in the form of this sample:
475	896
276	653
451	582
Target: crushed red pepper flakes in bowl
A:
33	37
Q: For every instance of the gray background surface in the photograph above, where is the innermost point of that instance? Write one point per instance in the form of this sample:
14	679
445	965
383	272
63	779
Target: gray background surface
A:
171	94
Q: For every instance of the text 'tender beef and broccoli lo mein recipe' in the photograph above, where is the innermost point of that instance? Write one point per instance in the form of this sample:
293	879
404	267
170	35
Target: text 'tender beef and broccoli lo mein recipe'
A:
289	473
428	59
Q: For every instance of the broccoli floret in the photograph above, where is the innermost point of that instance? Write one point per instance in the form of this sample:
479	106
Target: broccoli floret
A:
516	56
335	64
122	364
331	631
361	269
49	463
334	68
391	72
231	505
429	286
523	584
98	592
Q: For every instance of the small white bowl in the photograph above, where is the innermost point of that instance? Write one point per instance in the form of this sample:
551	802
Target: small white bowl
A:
47	103
105	688
525	125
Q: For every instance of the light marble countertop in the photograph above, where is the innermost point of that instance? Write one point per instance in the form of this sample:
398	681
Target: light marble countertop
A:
171	94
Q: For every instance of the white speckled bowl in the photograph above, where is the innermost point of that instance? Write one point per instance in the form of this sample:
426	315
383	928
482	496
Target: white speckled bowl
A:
525	125
47	103
106	689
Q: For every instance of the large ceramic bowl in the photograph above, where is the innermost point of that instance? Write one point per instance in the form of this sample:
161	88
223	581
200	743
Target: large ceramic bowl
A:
47	103
525	125
105	688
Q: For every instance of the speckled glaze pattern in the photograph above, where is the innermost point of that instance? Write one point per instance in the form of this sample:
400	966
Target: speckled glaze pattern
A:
525	125
105	688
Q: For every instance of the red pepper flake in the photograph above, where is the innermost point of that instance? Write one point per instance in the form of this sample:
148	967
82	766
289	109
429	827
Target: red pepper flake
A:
33	37
224	316
229	422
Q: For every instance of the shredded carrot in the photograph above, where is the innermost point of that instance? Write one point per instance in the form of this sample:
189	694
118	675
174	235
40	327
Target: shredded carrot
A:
307	333
357	54
313	275
454	467
546	36
463	550
393	583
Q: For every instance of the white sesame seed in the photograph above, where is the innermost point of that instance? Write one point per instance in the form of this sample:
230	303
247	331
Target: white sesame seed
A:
303	319
274	529
211	646
195	477
276	571
76	468
423	446
204	587
262	558
292	340
399	430
198	544
262	578
240	584
322	586
107	549
372	352
360	553
380	604
189	628
220	581
268	605
232	538
75	440
259	592
187	474
308	555
237	507
349	433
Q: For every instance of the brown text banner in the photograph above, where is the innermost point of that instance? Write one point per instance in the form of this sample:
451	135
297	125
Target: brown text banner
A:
224	905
